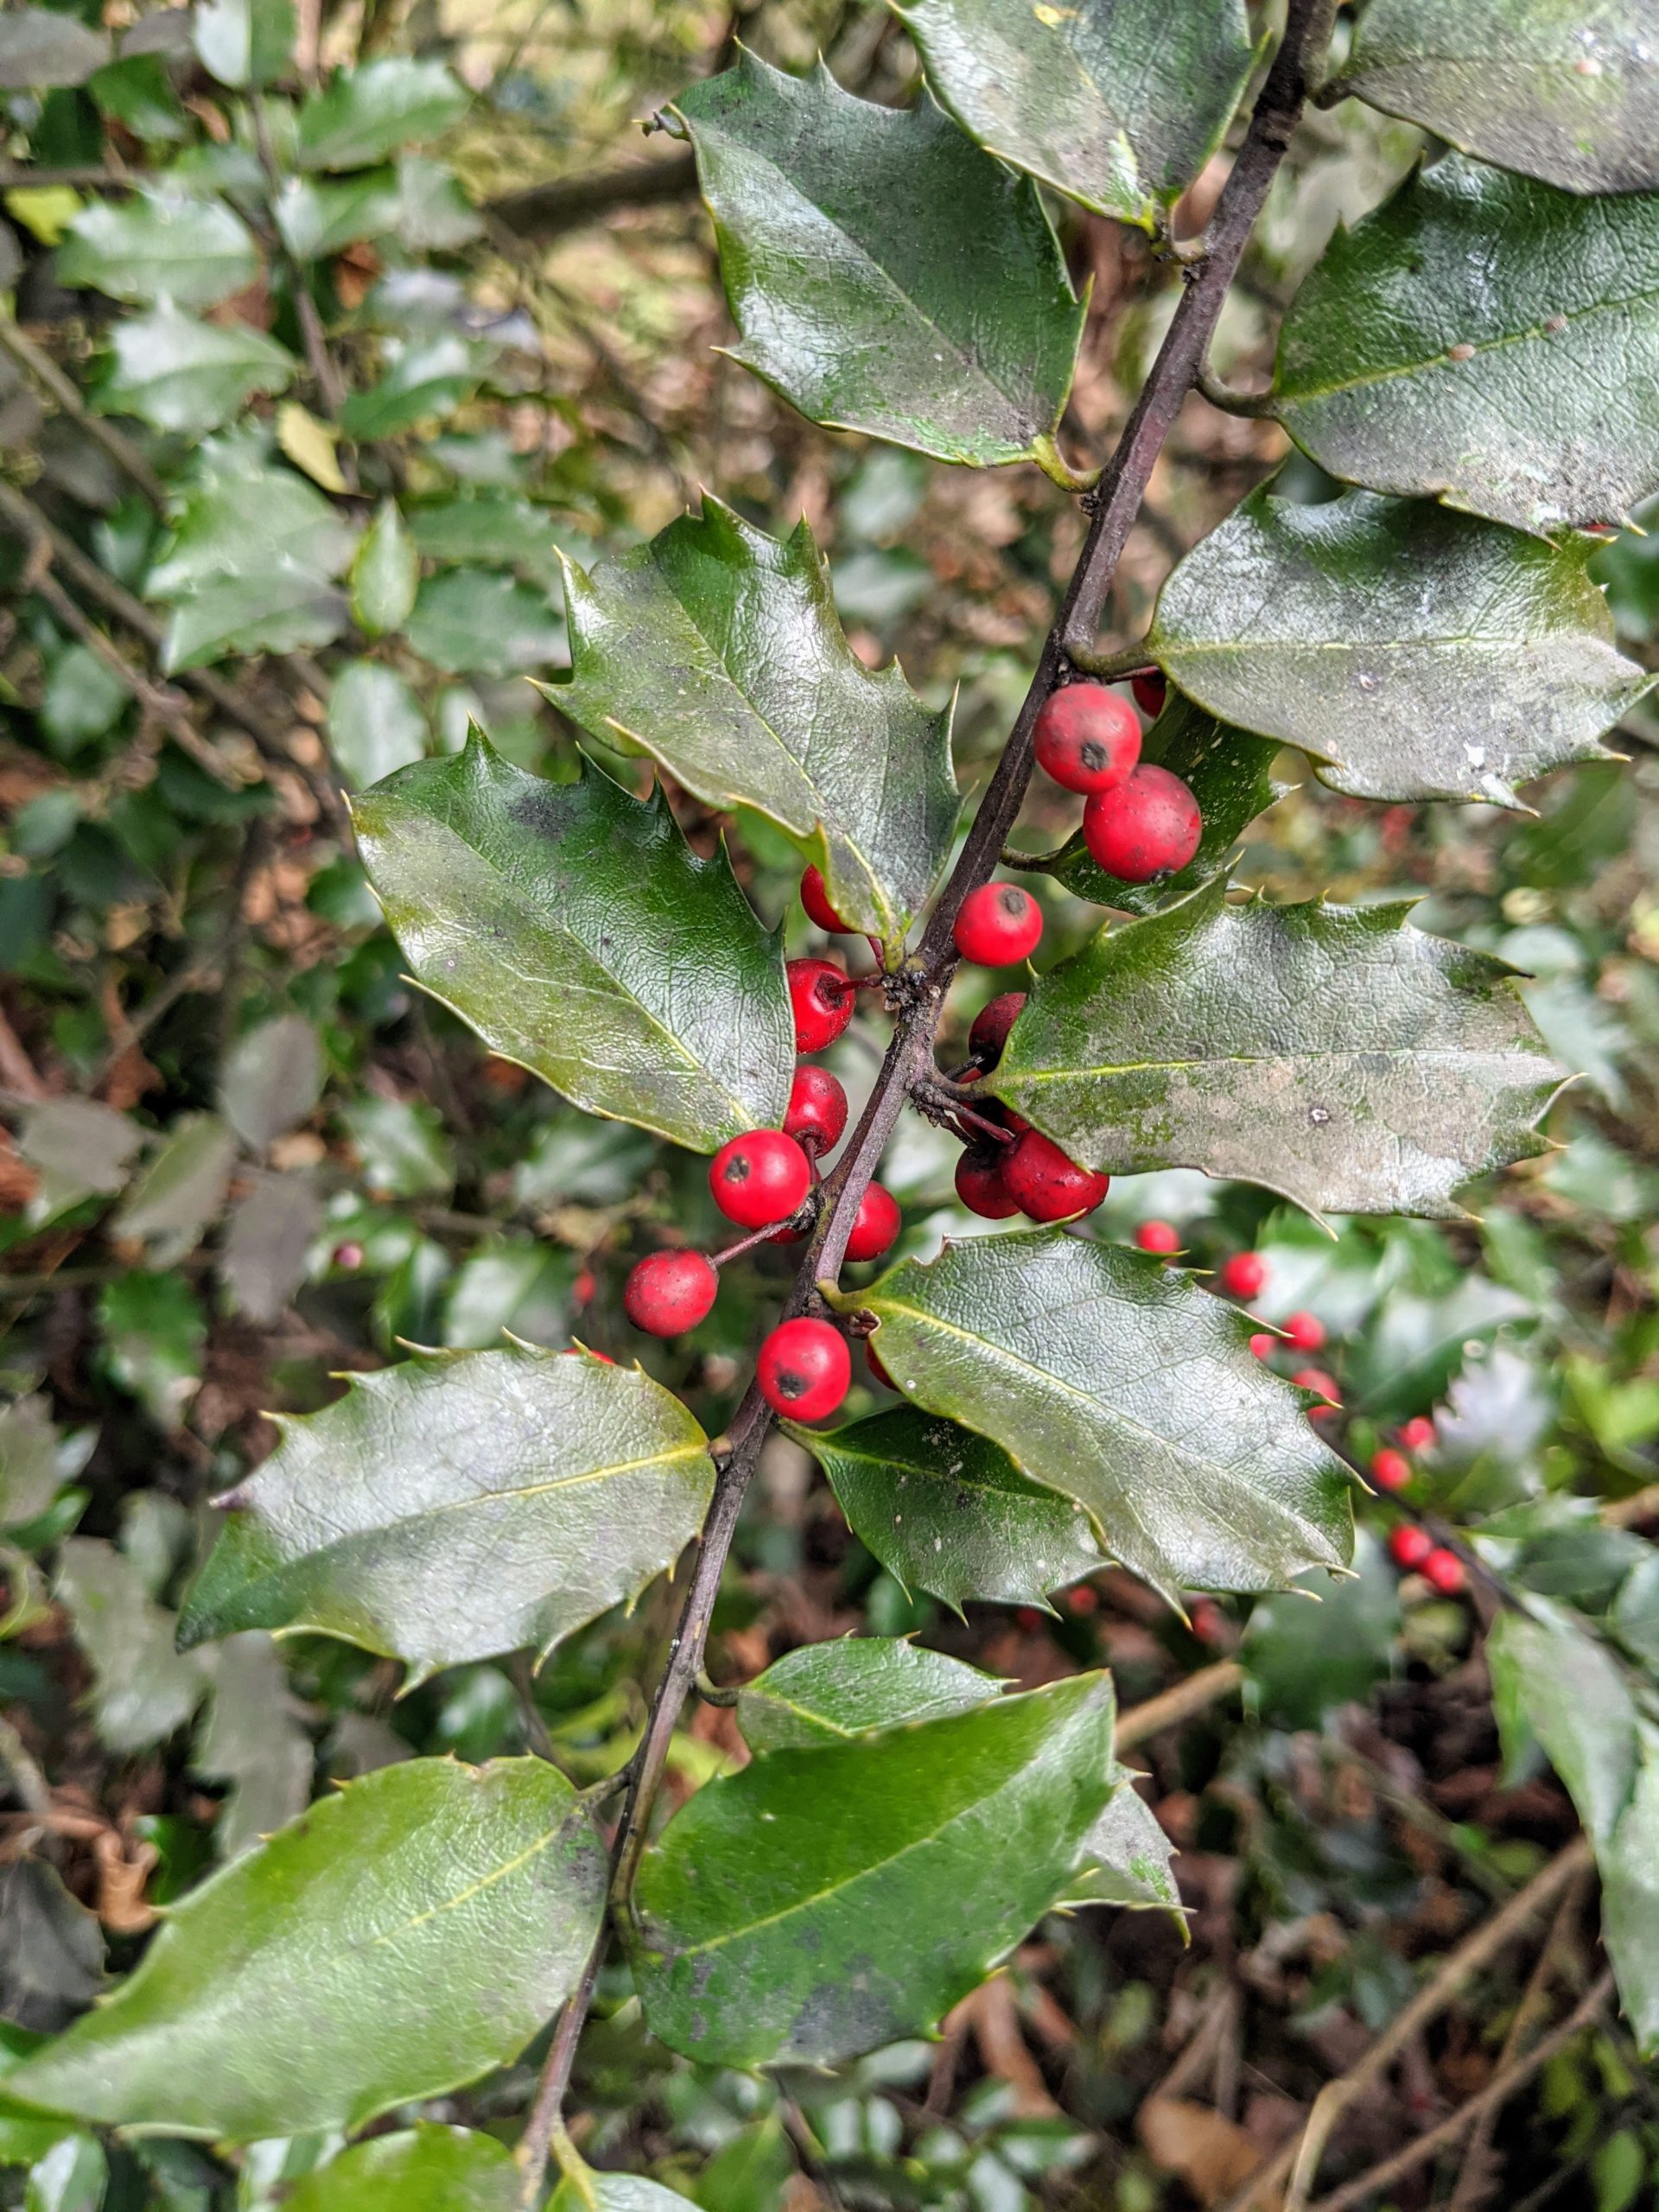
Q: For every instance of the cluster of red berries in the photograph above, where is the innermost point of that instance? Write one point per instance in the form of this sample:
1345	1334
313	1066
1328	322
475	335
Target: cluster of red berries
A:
1012	1168
1140	821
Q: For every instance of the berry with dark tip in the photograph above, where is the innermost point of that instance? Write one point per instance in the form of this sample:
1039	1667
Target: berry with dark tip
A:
991	1026
821	998
1044	1184
1087	738
1390	1470
758	1178
998	923
979	1182
1147	826
1151	689
1409	1546
1243	1275
1161	1237
805	1368
1417	1434
1444	1572
1306	1331
876	1224
817	1108
816	900
668	1293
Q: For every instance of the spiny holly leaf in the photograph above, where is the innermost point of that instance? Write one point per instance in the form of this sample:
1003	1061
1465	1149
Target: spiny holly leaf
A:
1227	770
948	1511
1126	1387
177	373
716	650
1570	94
425	2169
826	1693
160	245
1118	104
577	933
1416	652
793	1912
886	275
366	113
1127	1856
459	1504
1488	339
393	1943
1336	1055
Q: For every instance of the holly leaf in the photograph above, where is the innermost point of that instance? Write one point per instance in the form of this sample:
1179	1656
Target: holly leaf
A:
1228	772
386	573
1413	652
177	373
472	622
272	1079
1333	1054
376	723
792	1912
886	275
424	2169
368	112
576	931
947	1511
280	611
143	1689
241	520
1490	340
294	1993
1122	1385
424	377
179	1195
1570	95
160	245
42	47
244	42
1118	105
1126	1858
459	1504
715	649
828	1693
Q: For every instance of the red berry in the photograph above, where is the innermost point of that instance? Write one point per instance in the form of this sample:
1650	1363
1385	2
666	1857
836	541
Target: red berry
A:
817	1107
668	1293
1083	1599
1409	1546
1444	1571
1087	738
821	999
1244	1274
1150	691
805	1368
876	1224
991	1026
349	1257
1044	1183
1306	1331
999	922
760	1179
1029	1619
816	900
1390	1470
1263	1345
1158	1237
1418	1433
1208	1623
873	1361
1315	1378
979	1181
587	1351
1148	826
583	1287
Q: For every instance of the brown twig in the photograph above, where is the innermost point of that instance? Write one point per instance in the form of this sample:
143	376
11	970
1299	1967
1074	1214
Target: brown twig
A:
1170	1708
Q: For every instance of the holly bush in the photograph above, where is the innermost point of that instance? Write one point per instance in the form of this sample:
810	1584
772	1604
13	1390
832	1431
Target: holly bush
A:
484	1785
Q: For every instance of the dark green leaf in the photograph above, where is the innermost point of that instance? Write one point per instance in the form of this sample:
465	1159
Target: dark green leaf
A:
160	245
368	112
177	373
43	46
474	622
179	1193
396	1942
1419	1341
1568	94
886	275
72	2177
154	1331
1120	102
427	2169
51	1954
1121	1385
423	379
1333	1054
1305	1659
138	92
716	650
143	1689
576	931
827	1693
272	1079
242	520
279	613
385	574
462	1504
792	1912
1493	340
376	725
489	531
1416	652
244	42
318	219
948	1511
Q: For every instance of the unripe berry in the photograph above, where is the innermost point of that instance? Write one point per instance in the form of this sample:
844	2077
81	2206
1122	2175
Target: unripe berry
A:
1306	1331
1150	691
805	1368
1147	827
816	900
668	1293
1409	1546
817	1108
876	1224
1263	1345
821	999
1158	1237
998	923
1244	1274
979	1181
1087	738
991	1026
1444	1571
758	1178
1417	1434
1315	1378
1044	1183
1390	1470
349	1257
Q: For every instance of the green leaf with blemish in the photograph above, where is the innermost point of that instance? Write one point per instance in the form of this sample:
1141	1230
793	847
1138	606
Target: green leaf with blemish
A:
1119	1383
886	275
828	1693
715	649
1126	1859
1334	1054
1414	653
460	1504
577	933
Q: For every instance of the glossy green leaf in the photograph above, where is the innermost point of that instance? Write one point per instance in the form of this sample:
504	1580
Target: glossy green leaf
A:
143	1689
177	373
490	530
179	1193
459	1504
244	42
423	379
316	219
160	245
243	520
886	275
434	213
376	724
1125	1857
1415	653
138	92
283	611
72	2177
385	574
715	649
1119	1383
578	933
425	2169
1334	1054
792	1912
1118	104
368	112
476	623
615	2193
827	1693
403	1147
396	1942
44	46
1568	93
1488	339
948	1511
